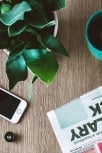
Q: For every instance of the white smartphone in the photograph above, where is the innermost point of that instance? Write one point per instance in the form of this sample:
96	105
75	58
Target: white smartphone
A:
11	106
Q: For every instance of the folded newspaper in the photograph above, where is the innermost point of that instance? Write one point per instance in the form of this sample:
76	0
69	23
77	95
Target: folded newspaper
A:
78	124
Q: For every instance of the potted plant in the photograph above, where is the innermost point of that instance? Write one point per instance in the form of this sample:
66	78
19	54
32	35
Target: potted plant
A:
26	32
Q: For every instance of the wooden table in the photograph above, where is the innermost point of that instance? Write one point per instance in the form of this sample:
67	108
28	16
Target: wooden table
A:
77	75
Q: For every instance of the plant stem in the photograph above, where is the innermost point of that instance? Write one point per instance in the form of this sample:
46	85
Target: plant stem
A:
34	79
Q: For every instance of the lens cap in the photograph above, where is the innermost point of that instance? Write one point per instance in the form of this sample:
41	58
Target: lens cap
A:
10	136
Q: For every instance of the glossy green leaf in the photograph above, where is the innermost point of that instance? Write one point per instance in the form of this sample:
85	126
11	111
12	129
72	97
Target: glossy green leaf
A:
15	14
54	44
42	63
16	29
39	20
39	16
41	25
16	70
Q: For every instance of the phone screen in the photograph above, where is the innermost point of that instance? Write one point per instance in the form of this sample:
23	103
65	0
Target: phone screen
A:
8	104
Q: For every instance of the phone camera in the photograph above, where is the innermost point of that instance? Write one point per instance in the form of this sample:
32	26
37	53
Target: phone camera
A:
10	136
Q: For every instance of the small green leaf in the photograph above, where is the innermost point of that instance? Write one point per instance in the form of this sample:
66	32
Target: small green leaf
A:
42	63
5	8
15	14
16	29
16	70
54	44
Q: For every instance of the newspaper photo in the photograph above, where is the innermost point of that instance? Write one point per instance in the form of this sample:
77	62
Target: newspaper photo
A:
78	124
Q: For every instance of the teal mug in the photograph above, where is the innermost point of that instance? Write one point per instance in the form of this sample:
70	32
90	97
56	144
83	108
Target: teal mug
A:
93	34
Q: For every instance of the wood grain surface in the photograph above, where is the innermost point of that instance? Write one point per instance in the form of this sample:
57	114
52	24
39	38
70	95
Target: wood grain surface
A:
77	74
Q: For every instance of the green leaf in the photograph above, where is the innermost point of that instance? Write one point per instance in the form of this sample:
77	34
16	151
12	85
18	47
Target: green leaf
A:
42	63
29	39
4	39
39	20
15	14
16	70
36	5
38	37
54	4
41	25
16	29
5	8
58	4
39	15
54	44
17	46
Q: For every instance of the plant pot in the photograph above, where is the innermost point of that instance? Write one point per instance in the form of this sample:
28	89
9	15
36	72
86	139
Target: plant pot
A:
56	26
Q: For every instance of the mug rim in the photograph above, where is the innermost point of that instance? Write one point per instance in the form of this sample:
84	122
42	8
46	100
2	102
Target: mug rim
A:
90	19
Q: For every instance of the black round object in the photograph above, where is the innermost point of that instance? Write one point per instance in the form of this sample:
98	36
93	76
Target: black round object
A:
10	136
